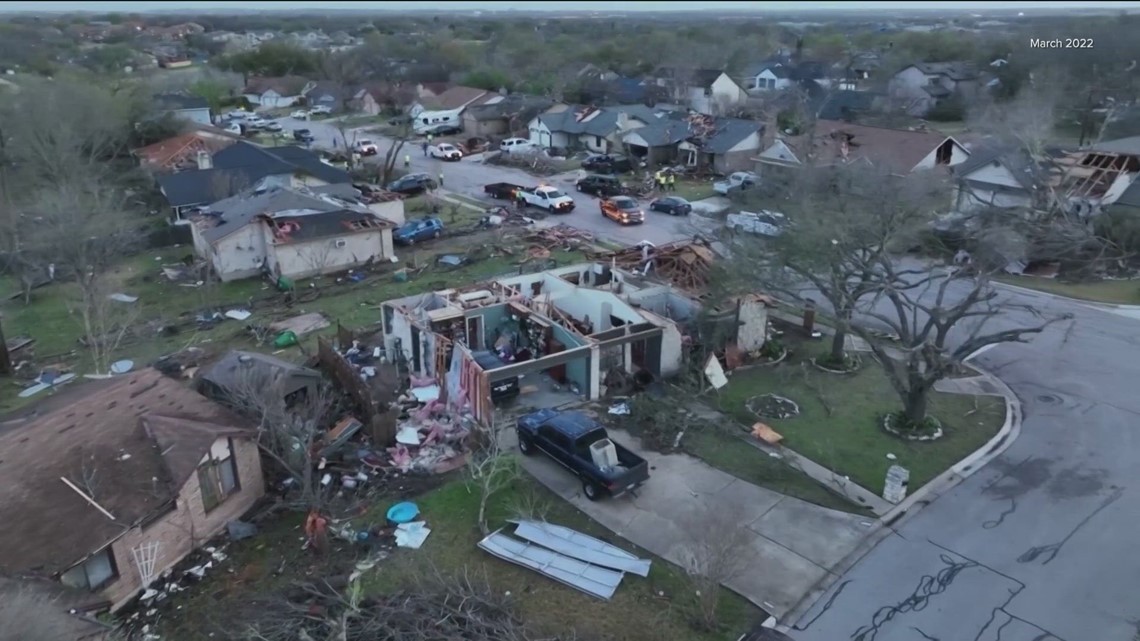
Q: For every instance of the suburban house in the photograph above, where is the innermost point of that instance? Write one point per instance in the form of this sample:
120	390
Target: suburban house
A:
706	91
326	94
108	484
857	73
290	231
377	98
274	93
836	143
1091	180
226	379
181	152
184	107
995	176
596	130
503	115
783	72
723	145
919	87
846	104
240	166
452	99
579	325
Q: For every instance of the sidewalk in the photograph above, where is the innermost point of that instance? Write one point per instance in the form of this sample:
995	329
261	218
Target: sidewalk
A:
795	547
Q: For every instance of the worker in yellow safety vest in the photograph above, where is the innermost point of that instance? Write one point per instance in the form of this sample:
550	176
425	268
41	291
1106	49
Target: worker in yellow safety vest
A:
672	178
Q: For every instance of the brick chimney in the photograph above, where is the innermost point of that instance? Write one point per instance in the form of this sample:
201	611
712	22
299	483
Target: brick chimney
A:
204	160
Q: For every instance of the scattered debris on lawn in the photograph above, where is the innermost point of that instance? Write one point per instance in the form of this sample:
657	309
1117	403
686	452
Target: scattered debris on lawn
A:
45	381
567	556
560	236
764	433
772	406
183	363
302	324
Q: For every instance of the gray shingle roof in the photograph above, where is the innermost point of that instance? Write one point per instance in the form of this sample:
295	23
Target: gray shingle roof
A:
175	101
231	214
1131	196
1130	146
1014	160
952	70
842	104
241	165
728	133
603	124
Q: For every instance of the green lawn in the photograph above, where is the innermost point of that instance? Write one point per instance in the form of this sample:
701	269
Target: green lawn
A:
848	439
658	603
1120	292
49	319
693	190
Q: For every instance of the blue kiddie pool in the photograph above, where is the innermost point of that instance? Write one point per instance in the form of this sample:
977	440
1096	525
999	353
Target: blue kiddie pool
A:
403	512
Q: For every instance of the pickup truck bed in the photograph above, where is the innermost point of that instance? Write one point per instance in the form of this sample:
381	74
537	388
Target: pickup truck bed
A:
566	437
502	191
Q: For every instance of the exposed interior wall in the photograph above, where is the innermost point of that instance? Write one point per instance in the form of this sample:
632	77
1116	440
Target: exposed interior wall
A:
663	301
496	320
672	346
577	371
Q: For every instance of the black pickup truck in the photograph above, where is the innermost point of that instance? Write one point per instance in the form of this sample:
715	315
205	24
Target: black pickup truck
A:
566	437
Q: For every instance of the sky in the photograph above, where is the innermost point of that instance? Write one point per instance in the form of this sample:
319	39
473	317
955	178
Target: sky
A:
502	5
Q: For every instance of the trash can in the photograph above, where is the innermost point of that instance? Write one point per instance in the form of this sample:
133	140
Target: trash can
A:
809	318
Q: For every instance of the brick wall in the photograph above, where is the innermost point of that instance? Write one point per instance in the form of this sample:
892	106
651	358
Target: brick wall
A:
187	527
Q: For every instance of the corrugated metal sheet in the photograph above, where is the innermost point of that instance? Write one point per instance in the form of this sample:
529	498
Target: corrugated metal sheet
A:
581	546
589	578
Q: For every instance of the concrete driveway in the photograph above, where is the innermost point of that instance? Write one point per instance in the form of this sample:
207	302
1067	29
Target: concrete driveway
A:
793	544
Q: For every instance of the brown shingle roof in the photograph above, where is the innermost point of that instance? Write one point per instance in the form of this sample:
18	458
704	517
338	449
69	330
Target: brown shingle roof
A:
136	438
456	97
896	149
183	150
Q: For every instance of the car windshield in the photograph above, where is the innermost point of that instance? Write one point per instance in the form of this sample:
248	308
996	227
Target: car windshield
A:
365	142
554	193
446	148
625	203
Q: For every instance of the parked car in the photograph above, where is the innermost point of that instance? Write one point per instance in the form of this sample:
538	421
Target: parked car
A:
502	390
273	126
255	122
581	445
607	164
516	145
543	197
763	223
303	135
623	209
320	110
412	184
415	231
604	186
738	181
443	130
365	147
233	128
672	205
445	151
300	114
370	193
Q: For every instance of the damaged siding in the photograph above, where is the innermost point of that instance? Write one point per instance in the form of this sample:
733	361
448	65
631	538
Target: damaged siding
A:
323	256
187	527
239	255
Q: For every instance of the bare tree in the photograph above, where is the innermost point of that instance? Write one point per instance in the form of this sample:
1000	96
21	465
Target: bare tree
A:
32	613
319	256
105	321
490	469
289	428
710	557
398	139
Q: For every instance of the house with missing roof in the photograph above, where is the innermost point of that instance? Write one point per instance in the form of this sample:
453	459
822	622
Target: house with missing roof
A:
108	484
296	232
275	93
919	87
723	145
598	130
503	115
832	143
181	152
185	107
239	167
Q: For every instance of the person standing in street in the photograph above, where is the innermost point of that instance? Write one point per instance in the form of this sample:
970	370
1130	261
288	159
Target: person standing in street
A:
441	179
407	160
425	146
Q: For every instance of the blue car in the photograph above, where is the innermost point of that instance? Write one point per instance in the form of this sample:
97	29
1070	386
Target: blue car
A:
416	230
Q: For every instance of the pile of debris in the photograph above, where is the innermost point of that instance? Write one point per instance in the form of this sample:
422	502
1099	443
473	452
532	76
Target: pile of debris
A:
560	236
429	437
685	264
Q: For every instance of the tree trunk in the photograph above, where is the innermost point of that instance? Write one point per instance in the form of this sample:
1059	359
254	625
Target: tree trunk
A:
915	407
838	343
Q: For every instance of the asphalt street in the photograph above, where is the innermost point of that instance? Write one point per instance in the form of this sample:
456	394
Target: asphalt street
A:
1036	546
468	176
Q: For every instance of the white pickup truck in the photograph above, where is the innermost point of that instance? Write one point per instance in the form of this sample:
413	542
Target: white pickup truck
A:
763	223
738	181
547	198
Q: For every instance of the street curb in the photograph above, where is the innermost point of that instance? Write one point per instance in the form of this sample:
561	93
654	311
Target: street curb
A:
1069	299
925	495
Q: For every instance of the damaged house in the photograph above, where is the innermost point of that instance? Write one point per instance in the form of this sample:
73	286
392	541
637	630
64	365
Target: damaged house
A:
722	145
590	128
107	485
586	327
1089	181
224	379
294	232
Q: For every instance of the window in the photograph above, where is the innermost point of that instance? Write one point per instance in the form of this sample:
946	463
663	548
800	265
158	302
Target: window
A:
97	571
217	475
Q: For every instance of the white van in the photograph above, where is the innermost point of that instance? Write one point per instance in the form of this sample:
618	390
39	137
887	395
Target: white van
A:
427	120
516	145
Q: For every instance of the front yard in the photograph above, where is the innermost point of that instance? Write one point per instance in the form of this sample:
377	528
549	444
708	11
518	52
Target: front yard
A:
268	564
1117	292
840	416
694	190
